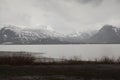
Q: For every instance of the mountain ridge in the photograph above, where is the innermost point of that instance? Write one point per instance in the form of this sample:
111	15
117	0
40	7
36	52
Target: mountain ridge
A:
11	34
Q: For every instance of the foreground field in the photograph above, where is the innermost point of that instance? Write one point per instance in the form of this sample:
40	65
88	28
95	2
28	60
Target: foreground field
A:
61	72
25	66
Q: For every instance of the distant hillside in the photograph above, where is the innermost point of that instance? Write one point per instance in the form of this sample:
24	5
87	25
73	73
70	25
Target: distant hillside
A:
11	34
107	34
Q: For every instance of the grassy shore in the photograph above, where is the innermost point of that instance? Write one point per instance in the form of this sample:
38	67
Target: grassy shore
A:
23	66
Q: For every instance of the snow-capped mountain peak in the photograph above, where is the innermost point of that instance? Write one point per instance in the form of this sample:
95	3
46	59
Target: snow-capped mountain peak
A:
42	27
46	35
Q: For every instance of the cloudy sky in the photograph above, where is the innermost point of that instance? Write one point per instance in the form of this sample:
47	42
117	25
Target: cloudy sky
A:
62	15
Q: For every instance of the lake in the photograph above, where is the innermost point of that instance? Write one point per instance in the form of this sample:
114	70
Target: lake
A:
85	51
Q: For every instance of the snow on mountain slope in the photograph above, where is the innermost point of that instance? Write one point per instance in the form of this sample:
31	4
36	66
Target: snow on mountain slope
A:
46	35
43	34
15	34
45	31
79	37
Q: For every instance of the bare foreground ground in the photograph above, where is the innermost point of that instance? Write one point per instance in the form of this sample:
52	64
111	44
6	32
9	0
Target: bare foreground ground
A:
61	72
24	66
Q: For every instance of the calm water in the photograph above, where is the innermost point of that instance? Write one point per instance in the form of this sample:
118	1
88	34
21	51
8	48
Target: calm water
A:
86	51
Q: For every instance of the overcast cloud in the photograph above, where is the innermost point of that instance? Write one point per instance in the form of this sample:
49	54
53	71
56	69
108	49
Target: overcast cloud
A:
62	15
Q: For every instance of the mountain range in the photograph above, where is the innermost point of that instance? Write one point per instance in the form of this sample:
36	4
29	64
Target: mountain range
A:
11	34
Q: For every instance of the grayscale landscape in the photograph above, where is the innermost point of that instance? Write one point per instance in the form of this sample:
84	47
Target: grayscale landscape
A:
59	39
